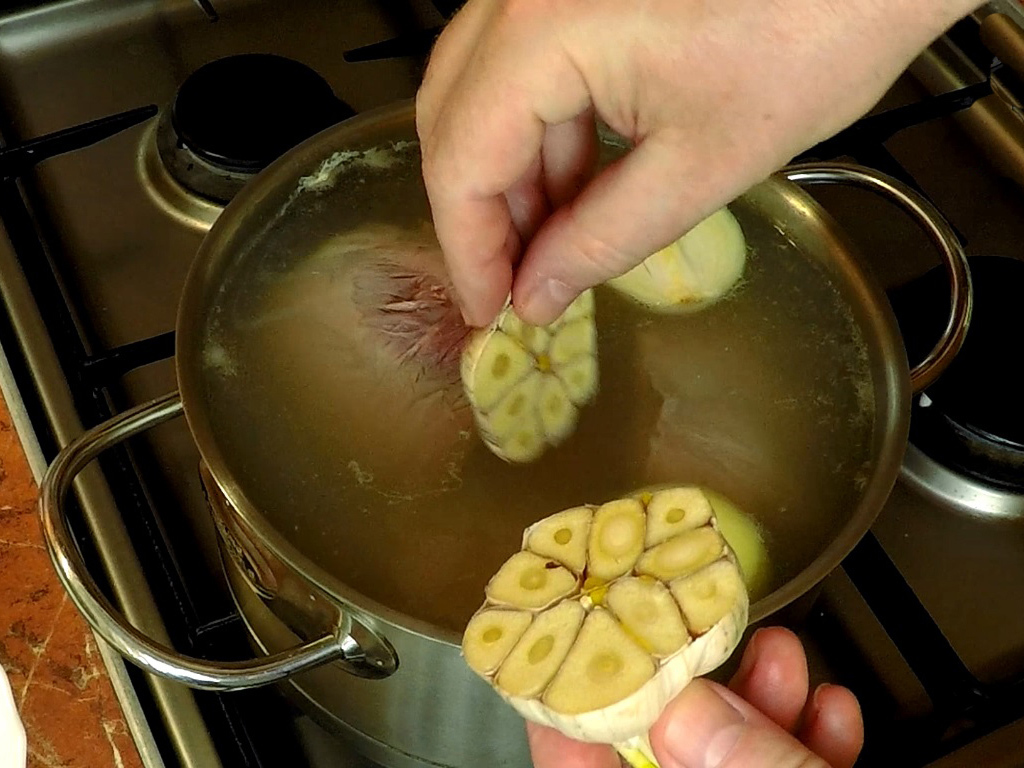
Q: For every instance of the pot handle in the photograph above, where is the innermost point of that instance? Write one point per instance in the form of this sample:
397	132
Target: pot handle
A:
941	234
373	657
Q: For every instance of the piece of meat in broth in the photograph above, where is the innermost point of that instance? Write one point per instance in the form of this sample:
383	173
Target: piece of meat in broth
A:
366	342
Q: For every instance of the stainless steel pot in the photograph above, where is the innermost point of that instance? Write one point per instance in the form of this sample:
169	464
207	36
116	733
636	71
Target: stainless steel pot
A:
349	532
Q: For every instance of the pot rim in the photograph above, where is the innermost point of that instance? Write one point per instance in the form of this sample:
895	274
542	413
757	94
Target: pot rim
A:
879	321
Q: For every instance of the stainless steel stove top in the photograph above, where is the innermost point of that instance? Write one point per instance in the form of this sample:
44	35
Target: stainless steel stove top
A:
120	237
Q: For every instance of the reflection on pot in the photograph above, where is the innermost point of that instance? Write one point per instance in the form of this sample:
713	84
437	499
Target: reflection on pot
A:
295	601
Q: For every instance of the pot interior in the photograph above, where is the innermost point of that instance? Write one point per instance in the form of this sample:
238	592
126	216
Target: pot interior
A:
319	362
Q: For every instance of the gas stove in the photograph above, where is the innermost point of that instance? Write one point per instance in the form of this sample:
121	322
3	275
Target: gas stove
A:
125	132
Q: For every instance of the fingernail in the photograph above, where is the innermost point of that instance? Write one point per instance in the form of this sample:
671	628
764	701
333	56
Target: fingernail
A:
473	320
702	728
547	301
816	696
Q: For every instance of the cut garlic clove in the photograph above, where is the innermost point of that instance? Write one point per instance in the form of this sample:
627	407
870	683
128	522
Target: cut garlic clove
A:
646	609
499	363
682	555
603	667
516	408
529	581
540	651
580	379
562	537
616	538
694	271
672	511
601	663
747	542
573	341
708	595
535	338
558	414
526	384
524	443
582	306
489	637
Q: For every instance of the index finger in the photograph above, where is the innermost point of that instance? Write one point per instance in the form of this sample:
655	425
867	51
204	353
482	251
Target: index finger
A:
476	152
488	133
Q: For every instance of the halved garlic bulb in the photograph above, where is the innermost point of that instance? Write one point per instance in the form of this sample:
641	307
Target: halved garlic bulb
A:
697	269
622	621
527	383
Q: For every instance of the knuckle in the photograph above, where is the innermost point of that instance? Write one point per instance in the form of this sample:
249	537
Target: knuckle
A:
429	164
518	13
595	254
431	131
439	168
424	109
600	256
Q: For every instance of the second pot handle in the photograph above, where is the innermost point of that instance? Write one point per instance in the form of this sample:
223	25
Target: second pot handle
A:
941	234
371	657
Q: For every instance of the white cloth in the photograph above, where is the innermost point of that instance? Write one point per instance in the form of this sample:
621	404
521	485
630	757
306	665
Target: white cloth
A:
12	732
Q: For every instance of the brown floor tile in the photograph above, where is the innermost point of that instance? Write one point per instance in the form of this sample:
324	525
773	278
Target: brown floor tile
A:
72	661
68	730
19	521
16	679
30	599
72	718
69	689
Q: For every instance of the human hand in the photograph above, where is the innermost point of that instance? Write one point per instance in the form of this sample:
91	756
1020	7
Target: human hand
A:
714	96
764	718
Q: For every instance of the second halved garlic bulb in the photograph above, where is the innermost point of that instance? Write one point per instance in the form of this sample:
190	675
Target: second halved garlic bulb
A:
527	383
697	269
607	613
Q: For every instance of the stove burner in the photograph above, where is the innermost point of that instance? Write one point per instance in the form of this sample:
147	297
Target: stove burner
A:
972	418
234	116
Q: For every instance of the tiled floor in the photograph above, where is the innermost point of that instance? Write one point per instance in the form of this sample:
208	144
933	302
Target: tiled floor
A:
71	715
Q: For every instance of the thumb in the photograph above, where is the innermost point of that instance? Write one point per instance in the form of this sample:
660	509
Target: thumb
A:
708	726
634	207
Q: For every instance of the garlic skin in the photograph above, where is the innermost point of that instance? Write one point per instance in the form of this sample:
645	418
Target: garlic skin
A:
614	654
526	384
696	270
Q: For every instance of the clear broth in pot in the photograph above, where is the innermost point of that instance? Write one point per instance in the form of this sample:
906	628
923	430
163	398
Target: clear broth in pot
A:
331	380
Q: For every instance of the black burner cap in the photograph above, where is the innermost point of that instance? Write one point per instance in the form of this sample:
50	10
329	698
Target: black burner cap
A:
242	112
973	417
